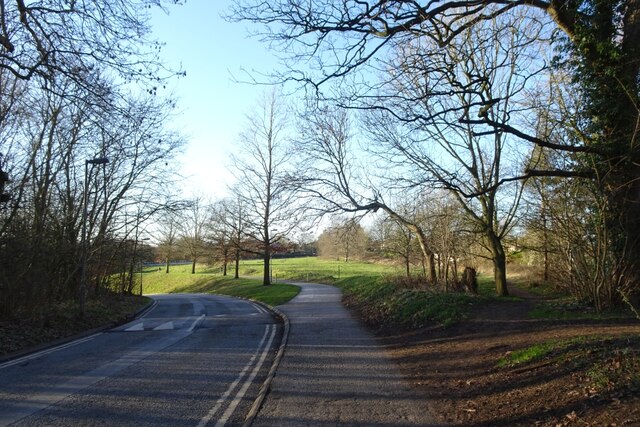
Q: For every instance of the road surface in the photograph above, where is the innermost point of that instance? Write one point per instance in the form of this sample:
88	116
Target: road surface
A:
193	360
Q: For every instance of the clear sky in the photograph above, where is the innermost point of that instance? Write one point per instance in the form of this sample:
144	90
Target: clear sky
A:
213	53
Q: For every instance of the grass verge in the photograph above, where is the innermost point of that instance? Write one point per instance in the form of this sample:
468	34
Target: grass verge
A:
383	304
569	309
377	291
180	280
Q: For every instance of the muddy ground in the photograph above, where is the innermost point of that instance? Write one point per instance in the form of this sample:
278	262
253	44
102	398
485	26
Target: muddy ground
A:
595	381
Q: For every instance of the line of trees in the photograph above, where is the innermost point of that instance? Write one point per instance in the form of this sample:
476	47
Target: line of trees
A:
83	145
463	125
222	233
490	102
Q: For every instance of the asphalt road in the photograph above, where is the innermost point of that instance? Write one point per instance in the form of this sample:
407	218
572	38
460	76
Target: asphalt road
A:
193	360
334	372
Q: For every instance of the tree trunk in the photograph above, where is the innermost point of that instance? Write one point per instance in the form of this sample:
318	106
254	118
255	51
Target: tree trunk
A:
624	224
499	259
167	266
193	266
455	269
432	269
237	274
407	266
446	274
469	280
266	279
500	275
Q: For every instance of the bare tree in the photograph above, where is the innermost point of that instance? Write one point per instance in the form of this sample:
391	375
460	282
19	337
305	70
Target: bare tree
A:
168	232
598	43
50	38
396	240
423	126
235	222
345	239
261	168
47	158
193	238
227	233
331	180
66	74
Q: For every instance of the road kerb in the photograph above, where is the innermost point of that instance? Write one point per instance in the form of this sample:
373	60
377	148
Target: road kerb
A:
264	389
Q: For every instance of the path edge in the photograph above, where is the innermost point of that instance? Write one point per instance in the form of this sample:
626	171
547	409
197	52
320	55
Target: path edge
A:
266	385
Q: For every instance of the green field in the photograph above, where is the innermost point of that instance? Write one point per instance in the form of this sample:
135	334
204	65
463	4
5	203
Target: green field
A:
209	280
372	288
313	269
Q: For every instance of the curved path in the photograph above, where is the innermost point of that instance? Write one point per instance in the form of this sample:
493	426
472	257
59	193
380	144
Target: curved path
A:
334	372
192	360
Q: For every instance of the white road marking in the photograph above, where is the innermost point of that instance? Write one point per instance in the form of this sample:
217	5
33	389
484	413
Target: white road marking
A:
47	351
236	400
56	392
196	322
203	422
136	327
165	326
259	308
331	346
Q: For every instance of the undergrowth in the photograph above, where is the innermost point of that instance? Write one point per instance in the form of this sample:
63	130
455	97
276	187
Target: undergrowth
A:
607	364
385	304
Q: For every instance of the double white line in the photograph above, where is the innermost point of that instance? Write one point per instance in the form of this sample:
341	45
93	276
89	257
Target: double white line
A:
261	352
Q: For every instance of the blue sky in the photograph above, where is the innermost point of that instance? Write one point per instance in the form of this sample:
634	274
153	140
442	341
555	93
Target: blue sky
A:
212	52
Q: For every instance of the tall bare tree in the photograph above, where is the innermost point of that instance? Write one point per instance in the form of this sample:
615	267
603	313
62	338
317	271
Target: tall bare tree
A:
422	126
193	231
261	169
598	42
329	176
168	232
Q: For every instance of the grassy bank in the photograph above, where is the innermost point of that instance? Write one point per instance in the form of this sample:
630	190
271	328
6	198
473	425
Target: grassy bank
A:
209	280
62	320
313	269
378	291
383	303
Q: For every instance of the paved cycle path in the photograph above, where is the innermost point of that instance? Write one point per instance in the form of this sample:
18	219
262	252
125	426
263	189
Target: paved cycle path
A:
335	373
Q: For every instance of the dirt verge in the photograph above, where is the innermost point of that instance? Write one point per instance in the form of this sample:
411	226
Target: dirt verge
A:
592	381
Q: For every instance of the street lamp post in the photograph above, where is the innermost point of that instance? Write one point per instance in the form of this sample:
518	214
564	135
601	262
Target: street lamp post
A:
85	201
